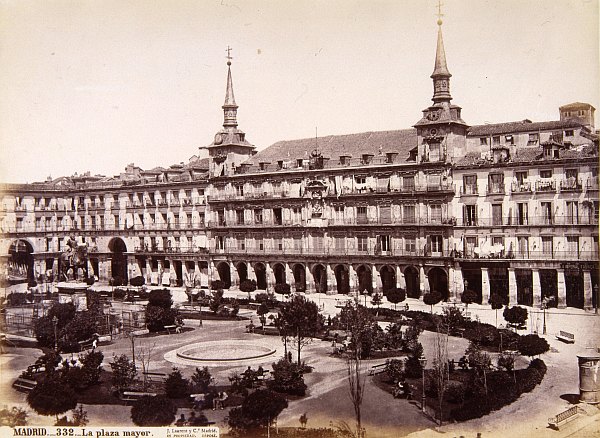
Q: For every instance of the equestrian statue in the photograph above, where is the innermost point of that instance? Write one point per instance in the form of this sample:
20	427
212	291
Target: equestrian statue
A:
74	257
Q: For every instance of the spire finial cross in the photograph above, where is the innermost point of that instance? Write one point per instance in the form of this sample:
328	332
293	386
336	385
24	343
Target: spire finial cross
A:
229	57
439	13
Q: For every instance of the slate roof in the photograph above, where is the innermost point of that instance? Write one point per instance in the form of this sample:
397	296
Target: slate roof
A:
521	126
333	146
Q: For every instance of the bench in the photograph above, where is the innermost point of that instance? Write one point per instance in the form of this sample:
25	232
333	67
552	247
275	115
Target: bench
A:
155	377
376	369
176	328
24	385
563	417
566	337
134	396
85	345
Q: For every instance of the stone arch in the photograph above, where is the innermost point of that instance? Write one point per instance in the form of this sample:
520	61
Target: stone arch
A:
342	277
320	278
299	277
365	279
260	271
279	273
388	278
438	281
118	258
224	273
20	261
411	276
242	270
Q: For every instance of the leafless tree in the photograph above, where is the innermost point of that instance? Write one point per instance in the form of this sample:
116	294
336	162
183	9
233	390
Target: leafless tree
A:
144	355
441	371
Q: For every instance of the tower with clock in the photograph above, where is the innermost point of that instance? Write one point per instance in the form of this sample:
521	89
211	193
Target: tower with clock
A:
441	132
229	148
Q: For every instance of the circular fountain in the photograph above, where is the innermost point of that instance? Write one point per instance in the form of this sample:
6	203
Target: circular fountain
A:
225	351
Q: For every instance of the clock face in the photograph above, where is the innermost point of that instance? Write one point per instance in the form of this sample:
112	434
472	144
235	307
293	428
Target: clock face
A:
218	139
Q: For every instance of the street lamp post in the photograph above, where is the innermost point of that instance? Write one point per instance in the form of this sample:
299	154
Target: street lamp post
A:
545	302
423	362
132	337
55	322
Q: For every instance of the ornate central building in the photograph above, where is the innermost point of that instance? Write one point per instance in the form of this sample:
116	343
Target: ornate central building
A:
508	209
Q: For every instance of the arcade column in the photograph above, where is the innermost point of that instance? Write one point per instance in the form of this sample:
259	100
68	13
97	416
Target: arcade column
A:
537	288
310	282
512	287
587	290
485	285
562	288
331	281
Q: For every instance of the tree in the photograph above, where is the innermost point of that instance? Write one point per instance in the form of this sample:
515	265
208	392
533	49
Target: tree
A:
123	371
176	386
532	345
395	370
216	300
258	410
262	310
144	355
288	378
153	411
432	298
516	316
377	300
469	296
158	311
497	302
440	364
453	318
480	361
138	281
202	379
92	367
301	319
396	295
52	397
394	336
248	285
13	417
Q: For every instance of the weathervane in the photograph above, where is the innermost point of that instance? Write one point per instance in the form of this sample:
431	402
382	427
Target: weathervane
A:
439	14
229	57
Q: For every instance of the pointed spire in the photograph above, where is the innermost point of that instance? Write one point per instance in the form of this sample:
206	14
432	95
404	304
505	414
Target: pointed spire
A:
441	76
441	69
229	107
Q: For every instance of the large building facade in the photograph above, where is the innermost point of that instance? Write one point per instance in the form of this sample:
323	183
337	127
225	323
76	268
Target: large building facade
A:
508	209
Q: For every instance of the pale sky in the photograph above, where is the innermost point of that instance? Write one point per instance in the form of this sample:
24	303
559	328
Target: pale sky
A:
95	85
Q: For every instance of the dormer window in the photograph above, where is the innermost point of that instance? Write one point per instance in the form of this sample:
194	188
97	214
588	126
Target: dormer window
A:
367	158
390	157
569	133
547	173
533	139
263	165
345	160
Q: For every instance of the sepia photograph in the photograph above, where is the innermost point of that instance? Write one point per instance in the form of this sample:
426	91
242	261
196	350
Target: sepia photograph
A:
299	219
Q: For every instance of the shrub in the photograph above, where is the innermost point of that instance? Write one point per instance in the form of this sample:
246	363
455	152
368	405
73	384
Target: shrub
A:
92	367
13	417
532	345
158	317
413	366
454	318
217	284
396	295
153	411
216	300
268	299
287	377
283	288
176	386
16	299
90	280
248	286
137	281
506	362
202	379
119	294
160	298
258	409
516	316
455	392
469	296
123	372
396	370
432	298
52	397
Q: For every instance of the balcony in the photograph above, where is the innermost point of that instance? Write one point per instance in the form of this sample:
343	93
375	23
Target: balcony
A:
570	185
592	183
527	221
521	187
532	255
545	185
322	251
495	189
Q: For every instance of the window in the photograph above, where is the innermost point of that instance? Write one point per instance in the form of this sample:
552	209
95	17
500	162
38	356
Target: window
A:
436	213
221	217
361	215
241	243
277	216
258	216
509	139
239	216
318	243
296	215
470	184
436	243
220	243
470	245
596	208
297	244
496	214
496	140
409	214
339	242
362	243
572	215
410	244
408	183
523	246
569	133
521	177
573	245
434	152
360	179
546	217
338	214
384	243
522	213
278	244
496	183
546	173
483	141
239	190
470	215
547	245
533	139
385	214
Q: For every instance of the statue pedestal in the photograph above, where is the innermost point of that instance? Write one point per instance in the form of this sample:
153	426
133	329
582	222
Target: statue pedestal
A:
73	292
